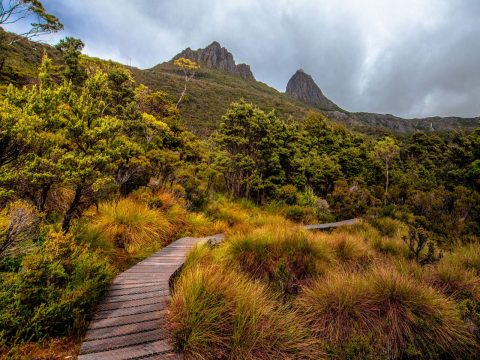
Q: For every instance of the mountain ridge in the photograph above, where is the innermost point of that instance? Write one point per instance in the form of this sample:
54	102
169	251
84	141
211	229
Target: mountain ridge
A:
216	57
220	82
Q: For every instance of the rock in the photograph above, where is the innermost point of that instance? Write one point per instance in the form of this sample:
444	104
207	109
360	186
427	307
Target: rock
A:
302	87
214	56
245	72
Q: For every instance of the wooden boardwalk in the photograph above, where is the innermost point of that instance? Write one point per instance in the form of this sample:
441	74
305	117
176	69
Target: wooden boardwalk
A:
332	225
129	322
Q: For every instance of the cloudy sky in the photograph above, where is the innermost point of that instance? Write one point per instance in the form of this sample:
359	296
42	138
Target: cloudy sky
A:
410	58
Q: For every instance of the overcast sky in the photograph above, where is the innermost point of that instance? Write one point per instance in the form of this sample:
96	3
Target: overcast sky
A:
410	58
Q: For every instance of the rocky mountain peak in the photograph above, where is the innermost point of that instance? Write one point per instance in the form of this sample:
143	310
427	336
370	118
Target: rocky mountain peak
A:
301	86
214	56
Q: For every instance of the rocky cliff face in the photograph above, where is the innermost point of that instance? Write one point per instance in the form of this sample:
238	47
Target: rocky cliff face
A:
214	56
302	87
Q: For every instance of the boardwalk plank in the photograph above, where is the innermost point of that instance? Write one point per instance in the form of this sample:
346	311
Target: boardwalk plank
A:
130	320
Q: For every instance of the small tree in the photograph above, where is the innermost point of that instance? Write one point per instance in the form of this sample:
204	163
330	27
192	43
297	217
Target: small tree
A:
417	241
72	49
386	150
189	69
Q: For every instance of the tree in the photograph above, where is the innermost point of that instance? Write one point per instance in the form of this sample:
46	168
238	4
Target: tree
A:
189	69
386	150
254	153
12	11
71	49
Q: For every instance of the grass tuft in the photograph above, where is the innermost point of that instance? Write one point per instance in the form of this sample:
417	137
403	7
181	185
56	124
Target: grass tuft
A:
283	256
219	314
132	225
400	313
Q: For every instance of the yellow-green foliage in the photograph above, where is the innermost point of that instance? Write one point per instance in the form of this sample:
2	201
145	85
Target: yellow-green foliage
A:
132	225
221	314
242	216
356	290
467	256
386	241
231	212
454	280
399	314
390	227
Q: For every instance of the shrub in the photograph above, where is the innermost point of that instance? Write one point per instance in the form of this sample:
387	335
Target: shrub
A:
300	213
132	225
287	193
216	314
54	293
402	315
308	197
390	227
282	256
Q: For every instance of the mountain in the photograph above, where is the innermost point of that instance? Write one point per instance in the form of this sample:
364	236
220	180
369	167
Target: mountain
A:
302	87
216	57
221	81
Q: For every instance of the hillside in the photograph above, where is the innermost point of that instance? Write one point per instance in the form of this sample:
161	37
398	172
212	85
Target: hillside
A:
211	91
221	81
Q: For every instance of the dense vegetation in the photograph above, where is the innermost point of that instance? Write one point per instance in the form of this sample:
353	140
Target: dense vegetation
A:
279	292
98	171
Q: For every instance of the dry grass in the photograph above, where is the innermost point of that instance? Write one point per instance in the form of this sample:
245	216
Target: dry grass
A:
220	314
132	225
360	294
454	280
468	257
394	309
351	250
52	349
283	255
199	224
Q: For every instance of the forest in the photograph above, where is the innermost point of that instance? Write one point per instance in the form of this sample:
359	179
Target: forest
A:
98	171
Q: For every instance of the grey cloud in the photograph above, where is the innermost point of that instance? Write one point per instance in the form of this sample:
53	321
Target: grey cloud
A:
424	59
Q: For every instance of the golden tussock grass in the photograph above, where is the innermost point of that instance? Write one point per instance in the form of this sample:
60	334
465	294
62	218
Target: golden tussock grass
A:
132	225
218	314
393	309
282	254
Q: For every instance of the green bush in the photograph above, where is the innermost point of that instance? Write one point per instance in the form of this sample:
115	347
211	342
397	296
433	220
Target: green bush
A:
54	293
